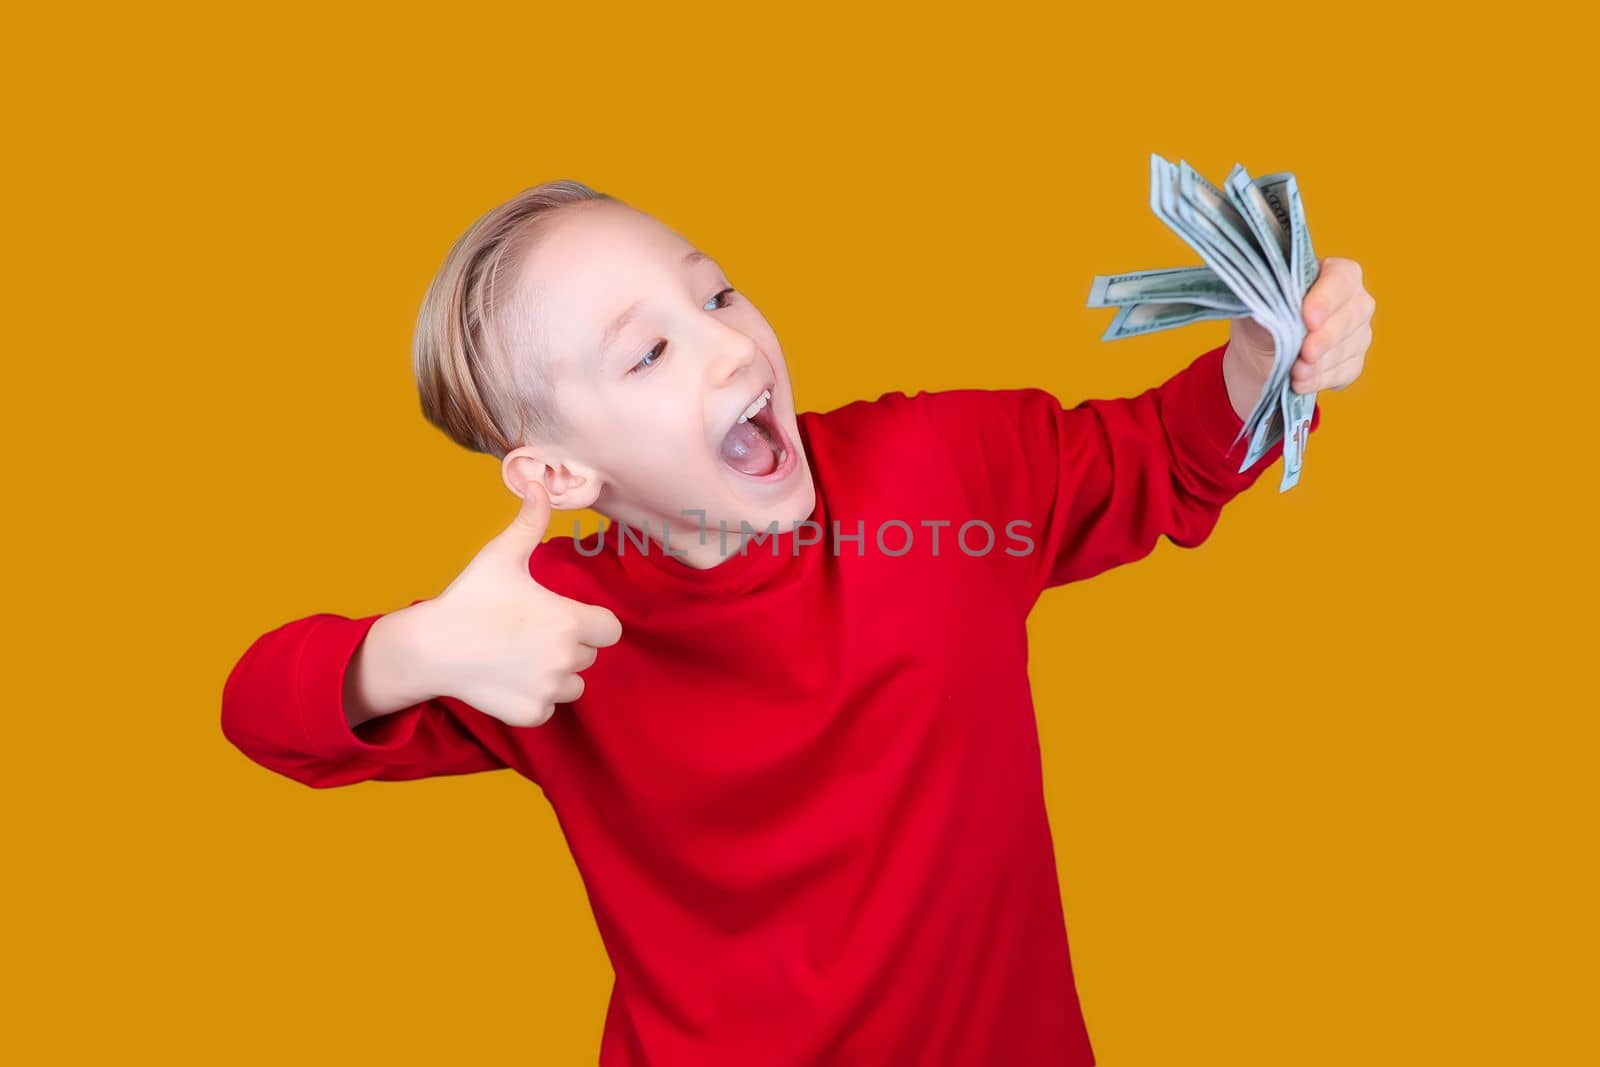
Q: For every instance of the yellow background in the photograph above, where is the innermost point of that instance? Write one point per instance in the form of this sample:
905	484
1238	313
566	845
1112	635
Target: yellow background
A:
1321	789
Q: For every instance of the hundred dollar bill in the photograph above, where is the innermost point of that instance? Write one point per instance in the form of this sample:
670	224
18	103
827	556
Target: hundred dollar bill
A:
1165	202
1213	205
1163	197
1256	247
1205	237
1269	222
1272	235
1191	285
1271	229
1282	195
1148	318
1299	406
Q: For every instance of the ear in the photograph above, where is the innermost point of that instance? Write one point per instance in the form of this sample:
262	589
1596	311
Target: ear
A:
571	485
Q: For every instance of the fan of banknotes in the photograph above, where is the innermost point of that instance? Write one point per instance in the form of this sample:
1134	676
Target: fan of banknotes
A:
1259	264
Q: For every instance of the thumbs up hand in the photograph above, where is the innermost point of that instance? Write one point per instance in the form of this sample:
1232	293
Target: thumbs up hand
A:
502	643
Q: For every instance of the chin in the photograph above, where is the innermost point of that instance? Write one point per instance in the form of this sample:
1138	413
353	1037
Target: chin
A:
787	496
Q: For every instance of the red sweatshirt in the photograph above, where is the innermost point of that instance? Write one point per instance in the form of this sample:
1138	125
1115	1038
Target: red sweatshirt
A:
804	790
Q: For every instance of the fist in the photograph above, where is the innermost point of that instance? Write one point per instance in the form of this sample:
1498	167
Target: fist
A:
1337	311
502	643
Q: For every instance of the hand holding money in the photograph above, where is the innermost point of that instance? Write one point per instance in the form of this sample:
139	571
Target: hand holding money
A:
1260	272
1338	315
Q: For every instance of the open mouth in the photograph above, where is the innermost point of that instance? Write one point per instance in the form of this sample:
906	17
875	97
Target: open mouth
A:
755	445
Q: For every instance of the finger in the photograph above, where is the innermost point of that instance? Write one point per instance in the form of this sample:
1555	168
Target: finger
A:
1332	371
1349	368
584	657
517	541
567	690
1310	377
597	626
1337	281
1345	320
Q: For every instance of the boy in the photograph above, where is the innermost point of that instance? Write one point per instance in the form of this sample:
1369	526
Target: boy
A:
780	705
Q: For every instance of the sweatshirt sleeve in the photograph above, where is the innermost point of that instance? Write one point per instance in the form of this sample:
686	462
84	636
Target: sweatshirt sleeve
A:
1094	486
283	707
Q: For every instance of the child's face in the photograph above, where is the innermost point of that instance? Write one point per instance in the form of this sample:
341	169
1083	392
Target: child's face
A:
653	407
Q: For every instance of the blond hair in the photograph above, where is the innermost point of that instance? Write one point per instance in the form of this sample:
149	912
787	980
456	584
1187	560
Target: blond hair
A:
477	375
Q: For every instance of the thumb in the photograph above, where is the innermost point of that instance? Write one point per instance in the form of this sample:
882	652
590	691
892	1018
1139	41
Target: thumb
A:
527	529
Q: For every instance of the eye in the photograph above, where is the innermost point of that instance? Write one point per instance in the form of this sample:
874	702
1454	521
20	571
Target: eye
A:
649	359
652	357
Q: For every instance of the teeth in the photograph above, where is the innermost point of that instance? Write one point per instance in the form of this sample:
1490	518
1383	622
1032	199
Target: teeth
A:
756	405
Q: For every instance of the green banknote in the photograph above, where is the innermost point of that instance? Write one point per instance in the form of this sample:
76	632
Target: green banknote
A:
1258	263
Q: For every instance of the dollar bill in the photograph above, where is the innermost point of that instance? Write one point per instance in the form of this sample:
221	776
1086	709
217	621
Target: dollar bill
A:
1299	406
1215	207
1258	263
1168	206
1267	217
1271	229
1252	262
1190	285
1282	196
1205	236
1148	318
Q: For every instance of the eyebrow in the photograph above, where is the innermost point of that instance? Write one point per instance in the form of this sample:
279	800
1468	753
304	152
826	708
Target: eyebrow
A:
620	323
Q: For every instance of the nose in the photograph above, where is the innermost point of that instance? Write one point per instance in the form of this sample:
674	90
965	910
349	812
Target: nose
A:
734	354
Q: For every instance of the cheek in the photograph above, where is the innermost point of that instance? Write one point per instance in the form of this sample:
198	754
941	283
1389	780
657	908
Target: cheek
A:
755	325
665	439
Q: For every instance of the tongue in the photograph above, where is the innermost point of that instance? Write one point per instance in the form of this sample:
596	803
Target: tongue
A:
747	449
